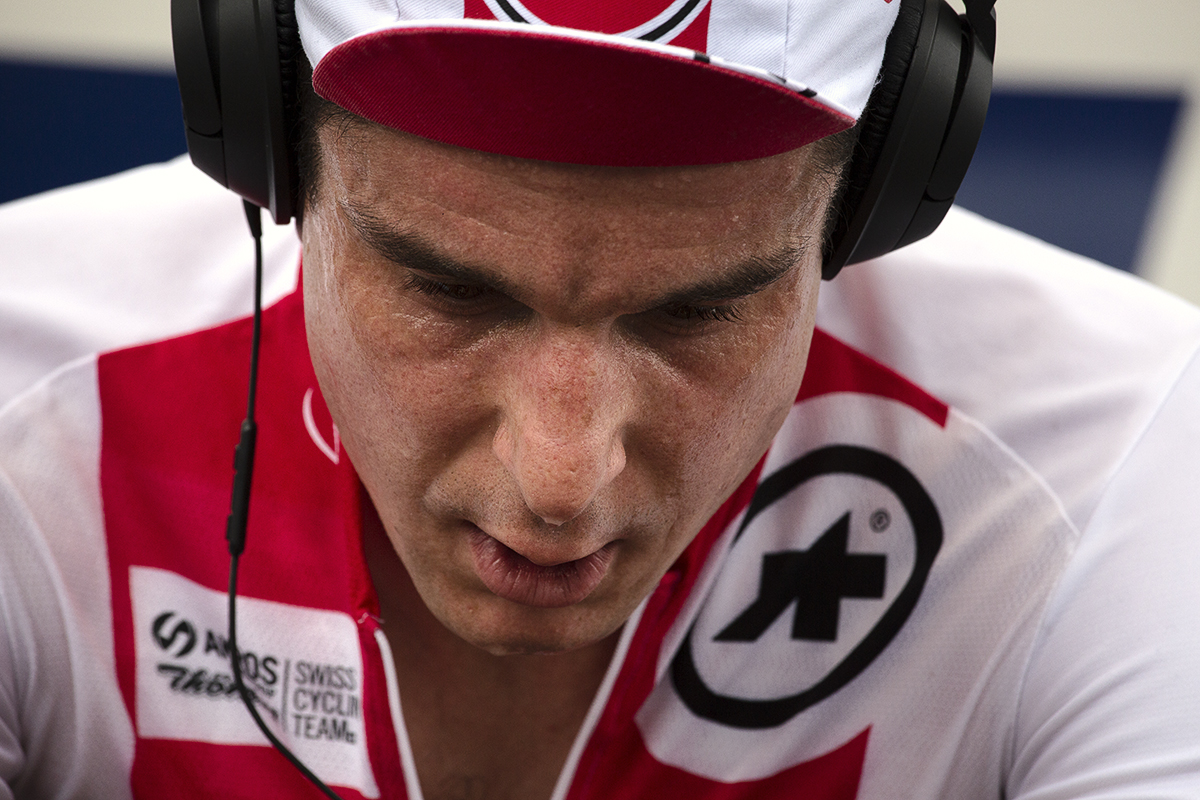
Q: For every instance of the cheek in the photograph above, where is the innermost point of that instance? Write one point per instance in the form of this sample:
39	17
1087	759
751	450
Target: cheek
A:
723	418
330	317
776	356
350	351
406	408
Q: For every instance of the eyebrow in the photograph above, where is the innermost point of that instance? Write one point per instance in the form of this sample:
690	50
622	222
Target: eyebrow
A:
745	278
413	251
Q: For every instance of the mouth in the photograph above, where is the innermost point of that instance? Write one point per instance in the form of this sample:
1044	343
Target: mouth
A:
510	575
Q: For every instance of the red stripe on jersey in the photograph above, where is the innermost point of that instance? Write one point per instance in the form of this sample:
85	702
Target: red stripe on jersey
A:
171	412
189	770
834	366
833	776
382	745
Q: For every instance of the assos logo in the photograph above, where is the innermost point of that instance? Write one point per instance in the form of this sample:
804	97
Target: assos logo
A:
787	640
651	20
178	639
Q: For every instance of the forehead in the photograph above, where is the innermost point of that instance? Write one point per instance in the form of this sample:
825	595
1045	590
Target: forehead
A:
373	162
490	209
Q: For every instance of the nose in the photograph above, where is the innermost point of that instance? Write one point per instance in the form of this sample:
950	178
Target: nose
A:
560	436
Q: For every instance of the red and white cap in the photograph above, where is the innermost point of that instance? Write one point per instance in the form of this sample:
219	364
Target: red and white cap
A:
605	82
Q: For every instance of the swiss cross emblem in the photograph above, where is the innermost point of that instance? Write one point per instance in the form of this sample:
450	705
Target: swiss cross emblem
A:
655	20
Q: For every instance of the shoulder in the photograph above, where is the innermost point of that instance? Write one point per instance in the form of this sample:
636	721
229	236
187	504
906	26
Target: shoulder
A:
1090	379
135	257
1064	360
63	727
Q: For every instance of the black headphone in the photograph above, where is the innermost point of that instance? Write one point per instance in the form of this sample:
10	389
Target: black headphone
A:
236	65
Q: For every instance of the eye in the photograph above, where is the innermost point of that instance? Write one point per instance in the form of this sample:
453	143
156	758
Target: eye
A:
696	314
448	292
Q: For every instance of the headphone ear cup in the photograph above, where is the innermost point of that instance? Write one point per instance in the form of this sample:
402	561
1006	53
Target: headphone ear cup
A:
194	40
233	59
876	119
916	138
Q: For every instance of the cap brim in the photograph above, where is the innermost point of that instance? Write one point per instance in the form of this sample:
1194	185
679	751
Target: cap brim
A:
535	94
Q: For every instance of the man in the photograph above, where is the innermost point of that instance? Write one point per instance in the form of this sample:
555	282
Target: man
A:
562	492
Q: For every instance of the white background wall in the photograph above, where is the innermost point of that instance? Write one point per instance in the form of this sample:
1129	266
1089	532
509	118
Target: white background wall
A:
1134	45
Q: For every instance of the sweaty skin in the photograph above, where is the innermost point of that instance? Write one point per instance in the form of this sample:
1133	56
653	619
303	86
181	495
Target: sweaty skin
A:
548	377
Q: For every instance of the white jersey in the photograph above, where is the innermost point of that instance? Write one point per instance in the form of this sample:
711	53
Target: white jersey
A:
966	568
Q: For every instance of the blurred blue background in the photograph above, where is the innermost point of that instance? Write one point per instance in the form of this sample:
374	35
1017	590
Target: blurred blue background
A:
1078	170
67	124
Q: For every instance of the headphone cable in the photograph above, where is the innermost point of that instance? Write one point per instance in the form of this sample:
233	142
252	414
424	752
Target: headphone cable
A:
235	524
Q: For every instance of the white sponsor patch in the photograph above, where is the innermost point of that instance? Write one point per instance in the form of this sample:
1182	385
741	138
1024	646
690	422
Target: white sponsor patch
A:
303	664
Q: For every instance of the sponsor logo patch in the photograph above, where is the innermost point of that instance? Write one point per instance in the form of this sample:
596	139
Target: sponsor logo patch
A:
303	666
804	607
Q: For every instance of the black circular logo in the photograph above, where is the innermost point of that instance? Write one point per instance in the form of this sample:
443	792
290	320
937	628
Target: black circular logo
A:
787	568
181	632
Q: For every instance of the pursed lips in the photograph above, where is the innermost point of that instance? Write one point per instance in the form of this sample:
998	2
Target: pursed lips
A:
547	582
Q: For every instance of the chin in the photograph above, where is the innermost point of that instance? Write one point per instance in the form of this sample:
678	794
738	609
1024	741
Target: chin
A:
531	631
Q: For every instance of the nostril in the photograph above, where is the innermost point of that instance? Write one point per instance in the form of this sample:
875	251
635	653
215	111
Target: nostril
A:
554	522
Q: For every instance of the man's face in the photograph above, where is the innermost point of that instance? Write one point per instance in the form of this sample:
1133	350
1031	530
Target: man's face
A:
548	377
